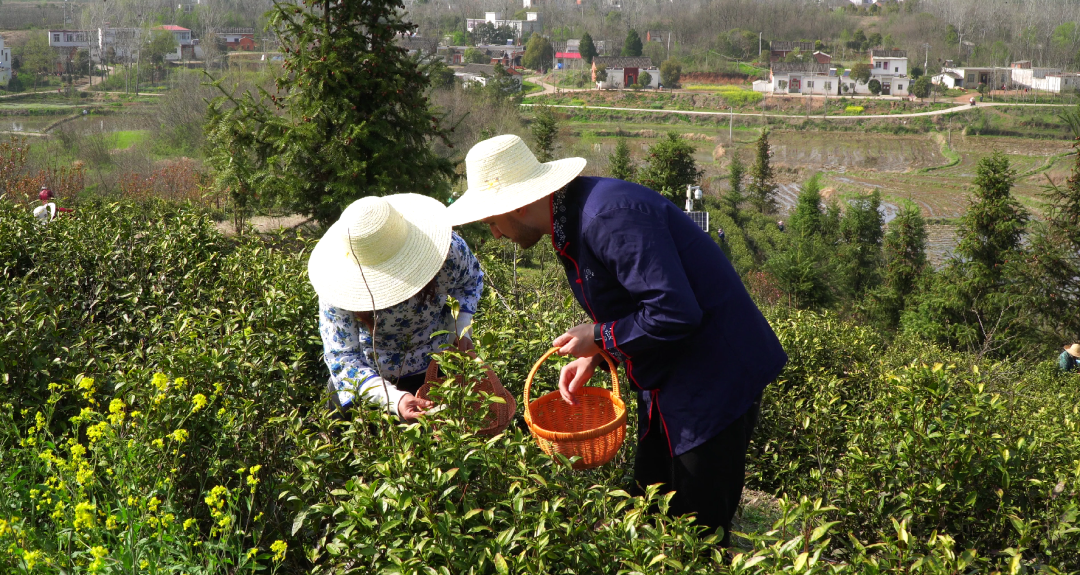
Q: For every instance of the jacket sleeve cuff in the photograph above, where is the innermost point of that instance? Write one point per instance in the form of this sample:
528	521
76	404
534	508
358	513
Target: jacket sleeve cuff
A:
372	390
607	342
464	324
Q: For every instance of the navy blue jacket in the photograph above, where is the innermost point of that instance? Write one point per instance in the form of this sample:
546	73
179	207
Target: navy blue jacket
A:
670	306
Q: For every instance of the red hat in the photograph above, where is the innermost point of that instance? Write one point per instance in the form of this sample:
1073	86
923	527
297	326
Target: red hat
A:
45	194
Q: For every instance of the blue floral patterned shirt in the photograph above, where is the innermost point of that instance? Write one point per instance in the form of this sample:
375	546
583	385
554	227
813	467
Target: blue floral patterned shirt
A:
403	332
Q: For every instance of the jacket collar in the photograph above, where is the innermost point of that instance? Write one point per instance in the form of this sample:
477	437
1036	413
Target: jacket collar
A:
560	218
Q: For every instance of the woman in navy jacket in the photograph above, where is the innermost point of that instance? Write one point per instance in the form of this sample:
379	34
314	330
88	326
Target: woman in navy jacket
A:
665	302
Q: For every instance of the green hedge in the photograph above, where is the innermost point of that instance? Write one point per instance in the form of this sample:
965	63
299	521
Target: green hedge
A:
162	413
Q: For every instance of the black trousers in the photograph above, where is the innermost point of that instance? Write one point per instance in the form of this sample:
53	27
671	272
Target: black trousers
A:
708	479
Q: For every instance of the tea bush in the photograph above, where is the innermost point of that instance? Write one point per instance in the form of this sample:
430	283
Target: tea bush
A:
162	393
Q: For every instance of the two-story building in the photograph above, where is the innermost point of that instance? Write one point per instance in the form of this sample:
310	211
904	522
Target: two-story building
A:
187	48
531	23
5	64
624	71
890	68
66	43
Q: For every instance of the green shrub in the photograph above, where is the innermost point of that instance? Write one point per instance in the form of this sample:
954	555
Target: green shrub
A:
161	410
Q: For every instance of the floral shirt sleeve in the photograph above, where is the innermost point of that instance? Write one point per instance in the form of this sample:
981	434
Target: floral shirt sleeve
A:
462	275
404	333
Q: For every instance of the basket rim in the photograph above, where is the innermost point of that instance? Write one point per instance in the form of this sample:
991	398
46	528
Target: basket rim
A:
607	428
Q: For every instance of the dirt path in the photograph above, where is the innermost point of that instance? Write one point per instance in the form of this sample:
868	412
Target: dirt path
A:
266	224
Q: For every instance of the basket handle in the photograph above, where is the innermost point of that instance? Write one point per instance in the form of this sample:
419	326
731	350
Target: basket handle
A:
549	353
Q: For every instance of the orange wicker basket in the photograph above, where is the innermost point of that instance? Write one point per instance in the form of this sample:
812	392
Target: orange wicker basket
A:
499	414
593	429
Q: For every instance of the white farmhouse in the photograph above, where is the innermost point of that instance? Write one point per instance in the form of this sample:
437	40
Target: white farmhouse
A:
624	71
809	78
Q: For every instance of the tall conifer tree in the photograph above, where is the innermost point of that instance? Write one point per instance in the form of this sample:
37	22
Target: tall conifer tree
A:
349	117
762	188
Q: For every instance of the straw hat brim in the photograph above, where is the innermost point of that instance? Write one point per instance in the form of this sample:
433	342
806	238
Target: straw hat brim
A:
1074	350
480	203
341	281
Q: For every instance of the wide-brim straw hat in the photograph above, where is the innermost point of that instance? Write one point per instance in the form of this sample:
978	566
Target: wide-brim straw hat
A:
504	175
381	252
1074	350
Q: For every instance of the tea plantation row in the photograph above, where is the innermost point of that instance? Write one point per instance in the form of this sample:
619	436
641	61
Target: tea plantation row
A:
162	388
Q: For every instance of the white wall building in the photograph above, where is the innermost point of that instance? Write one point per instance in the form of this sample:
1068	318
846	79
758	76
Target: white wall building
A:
71	38
809	78
624	71
187	48
531	23
890	68
5	64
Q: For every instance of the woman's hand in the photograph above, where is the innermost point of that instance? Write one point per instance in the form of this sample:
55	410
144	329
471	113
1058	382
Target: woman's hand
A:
410	407
575	374
463	344
577	341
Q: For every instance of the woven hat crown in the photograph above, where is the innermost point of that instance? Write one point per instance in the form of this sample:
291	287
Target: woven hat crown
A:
375	230
498	162
1074	350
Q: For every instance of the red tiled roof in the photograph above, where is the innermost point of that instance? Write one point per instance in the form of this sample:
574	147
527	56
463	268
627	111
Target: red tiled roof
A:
571	55
171	28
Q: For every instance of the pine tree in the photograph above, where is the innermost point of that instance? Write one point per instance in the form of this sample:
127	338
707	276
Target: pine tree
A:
632	44
587	48
904	250
860	253
991	230
349	116
620	164
1054	263
904	257
734	196
545	129
803	265
671	167
762	188
807	219
977	303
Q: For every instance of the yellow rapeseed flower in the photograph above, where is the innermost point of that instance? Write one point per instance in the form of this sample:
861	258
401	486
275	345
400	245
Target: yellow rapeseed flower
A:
179	436
152	505
31	558
116	411
198	402
252	552
279	547
85	515
160	381
188	523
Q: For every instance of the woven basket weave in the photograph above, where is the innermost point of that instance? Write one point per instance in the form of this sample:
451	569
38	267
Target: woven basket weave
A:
499	414
594	429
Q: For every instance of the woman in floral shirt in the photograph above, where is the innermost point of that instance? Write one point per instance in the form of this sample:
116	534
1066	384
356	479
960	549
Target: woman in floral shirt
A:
383	290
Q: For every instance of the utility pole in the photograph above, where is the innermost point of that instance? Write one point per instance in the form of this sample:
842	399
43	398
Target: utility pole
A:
926	58
731	120
759	44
